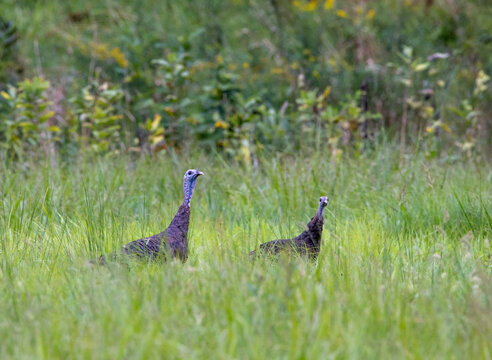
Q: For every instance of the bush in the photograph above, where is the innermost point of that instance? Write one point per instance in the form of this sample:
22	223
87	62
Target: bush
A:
247	76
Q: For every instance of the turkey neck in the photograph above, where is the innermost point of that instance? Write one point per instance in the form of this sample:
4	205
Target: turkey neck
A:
319	213
182	219
188	189
315	226
179	224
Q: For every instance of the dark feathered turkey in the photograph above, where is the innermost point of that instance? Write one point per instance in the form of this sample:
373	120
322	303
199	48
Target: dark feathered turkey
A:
307	243
172	242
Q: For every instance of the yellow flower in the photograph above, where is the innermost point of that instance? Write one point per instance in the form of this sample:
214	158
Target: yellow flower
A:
370	14
156	121
481	82
326	92
157	139
311	5
5	95
342	13
294	65
246	65
306	6
221	124
100	49
429	129
446	128
428	111
359	9
119	57
232	67
277	70
329	4
219	59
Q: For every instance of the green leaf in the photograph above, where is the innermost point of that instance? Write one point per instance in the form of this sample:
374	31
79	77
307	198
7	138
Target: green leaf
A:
46	116
420	67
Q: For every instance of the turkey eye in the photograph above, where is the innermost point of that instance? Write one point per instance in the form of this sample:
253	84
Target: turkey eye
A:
189	172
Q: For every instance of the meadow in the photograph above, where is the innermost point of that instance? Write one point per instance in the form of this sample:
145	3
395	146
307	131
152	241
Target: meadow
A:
404	269
384	106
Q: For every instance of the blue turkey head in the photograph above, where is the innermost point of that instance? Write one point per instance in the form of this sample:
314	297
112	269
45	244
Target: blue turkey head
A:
189	182
323	201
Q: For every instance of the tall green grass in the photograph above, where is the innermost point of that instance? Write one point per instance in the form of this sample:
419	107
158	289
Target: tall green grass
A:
404	271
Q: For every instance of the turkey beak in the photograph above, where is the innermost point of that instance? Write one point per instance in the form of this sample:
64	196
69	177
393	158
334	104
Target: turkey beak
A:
199	173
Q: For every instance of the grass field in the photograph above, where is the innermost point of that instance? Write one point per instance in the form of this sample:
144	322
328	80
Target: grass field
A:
404	270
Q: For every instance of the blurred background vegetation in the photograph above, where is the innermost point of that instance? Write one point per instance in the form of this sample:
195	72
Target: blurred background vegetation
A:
244	77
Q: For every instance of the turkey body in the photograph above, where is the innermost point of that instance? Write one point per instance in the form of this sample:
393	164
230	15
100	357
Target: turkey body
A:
170	243
308	243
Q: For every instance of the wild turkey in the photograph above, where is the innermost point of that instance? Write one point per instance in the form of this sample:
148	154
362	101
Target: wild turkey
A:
172	242
307	243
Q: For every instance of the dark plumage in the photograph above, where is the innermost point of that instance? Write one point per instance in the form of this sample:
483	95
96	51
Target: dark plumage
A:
307	243
172	242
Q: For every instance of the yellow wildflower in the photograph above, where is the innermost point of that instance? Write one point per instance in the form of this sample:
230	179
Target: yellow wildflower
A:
119	57
219	59
246	65
342	13
446	128
326	92
294	65
221	124
5	95
100	49
370	14
481	82
156	121
306	6
428	111
329	4
157	139
277	70
311	5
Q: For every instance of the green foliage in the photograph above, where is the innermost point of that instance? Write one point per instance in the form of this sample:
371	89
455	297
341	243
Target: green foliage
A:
170	94
100	122
247	76
8	53
24	118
